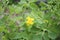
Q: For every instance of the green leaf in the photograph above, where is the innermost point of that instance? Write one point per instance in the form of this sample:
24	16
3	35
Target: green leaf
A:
36	37
32	1
4	38
52	35
33	6
18	9
20	35
2	28
12	9
45	37
1	36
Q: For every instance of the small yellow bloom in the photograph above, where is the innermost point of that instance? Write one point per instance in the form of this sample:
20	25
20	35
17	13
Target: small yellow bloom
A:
29	21
46	21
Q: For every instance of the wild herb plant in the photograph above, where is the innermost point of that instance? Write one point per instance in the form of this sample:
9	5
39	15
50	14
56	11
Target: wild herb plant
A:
27	20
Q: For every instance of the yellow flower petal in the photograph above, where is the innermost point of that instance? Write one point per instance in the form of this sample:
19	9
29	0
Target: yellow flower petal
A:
29	21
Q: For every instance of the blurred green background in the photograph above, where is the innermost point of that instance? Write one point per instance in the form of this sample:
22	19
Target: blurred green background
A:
46	14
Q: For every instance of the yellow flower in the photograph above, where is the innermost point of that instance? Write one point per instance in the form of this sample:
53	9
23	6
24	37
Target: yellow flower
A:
30	21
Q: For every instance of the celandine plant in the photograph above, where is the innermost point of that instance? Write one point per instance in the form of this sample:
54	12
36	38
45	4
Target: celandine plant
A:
29	19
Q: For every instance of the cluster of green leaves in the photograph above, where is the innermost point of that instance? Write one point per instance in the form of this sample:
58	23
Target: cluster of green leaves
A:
13	17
